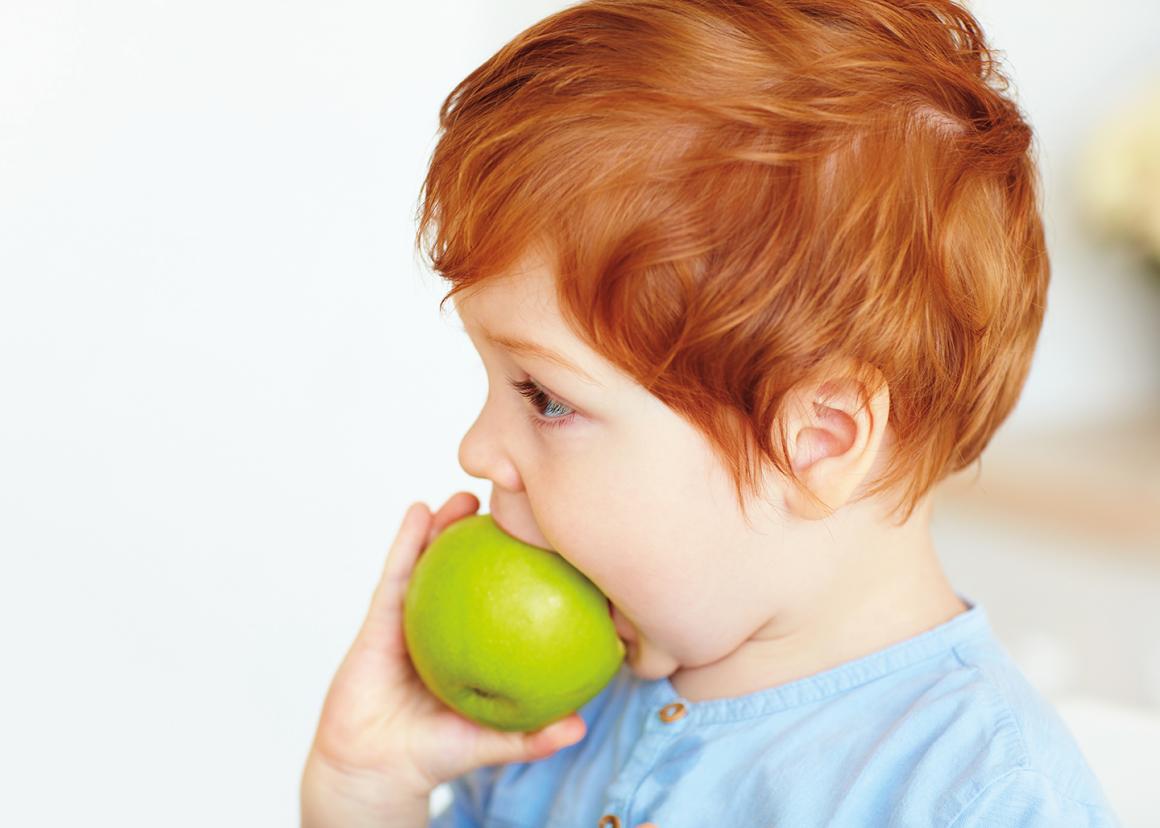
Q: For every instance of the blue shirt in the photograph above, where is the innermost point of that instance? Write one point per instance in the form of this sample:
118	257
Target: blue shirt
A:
941	729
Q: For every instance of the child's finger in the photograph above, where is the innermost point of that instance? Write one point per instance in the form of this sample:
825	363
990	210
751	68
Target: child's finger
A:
409	542
458	506
496	747
383	620
383	624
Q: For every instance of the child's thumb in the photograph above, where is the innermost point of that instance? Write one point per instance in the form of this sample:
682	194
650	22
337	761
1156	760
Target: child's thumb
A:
497	747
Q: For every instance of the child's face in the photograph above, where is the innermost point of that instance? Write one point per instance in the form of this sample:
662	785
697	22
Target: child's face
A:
621	487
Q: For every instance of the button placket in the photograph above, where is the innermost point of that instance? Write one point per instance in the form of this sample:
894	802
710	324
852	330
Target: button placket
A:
662	725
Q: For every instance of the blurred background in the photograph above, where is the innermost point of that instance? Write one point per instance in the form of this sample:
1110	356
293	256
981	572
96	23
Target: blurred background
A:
224	377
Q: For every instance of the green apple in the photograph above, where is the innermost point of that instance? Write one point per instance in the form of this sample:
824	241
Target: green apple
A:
507	634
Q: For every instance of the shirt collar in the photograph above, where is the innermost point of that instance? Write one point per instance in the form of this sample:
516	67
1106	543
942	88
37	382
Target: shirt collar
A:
970	623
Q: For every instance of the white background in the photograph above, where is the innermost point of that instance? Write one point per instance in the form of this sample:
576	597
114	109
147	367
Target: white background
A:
223	374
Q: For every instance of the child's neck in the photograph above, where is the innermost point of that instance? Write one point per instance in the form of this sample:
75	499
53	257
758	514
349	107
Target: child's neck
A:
879	601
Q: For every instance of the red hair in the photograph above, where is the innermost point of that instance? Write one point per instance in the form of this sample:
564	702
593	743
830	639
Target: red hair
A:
741	195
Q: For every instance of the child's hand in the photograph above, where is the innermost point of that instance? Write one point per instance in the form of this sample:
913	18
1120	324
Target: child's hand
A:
380	723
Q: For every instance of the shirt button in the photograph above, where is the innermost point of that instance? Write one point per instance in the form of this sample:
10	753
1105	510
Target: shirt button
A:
608	821
672	712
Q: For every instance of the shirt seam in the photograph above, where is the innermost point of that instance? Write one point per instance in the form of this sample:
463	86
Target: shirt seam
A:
1008	712
1090	806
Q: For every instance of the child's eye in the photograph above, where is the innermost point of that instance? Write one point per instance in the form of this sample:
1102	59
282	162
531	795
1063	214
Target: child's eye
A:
544	405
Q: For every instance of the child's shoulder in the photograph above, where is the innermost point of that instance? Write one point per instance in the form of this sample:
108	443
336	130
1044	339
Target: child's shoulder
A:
1029	754
960	737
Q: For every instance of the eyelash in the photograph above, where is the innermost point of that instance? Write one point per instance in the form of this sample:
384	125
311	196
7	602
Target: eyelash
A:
541	401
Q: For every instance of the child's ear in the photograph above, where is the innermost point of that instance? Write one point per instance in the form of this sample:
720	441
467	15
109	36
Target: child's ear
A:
835	430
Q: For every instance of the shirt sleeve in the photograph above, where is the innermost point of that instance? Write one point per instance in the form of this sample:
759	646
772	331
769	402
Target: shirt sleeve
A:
1026	799
469	797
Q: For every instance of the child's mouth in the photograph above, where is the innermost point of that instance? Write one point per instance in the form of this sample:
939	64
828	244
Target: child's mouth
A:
623	626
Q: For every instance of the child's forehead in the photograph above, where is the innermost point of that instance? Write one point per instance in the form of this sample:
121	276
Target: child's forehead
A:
527	288
518	315
499	299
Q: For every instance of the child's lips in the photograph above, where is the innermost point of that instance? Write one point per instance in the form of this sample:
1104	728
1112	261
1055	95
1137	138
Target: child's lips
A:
623	625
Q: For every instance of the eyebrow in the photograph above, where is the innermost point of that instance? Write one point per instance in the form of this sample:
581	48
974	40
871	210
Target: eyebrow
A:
523	346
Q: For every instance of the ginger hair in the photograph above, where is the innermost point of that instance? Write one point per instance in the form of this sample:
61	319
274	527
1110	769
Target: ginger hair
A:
742	195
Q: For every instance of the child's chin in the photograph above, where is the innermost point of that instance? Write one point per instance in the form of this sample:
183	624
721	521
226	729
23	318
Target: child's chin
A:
641	668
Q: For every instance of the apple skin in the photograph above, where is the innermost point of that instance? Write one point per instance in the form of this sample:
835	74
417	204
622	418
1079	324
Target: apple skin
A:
505	633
